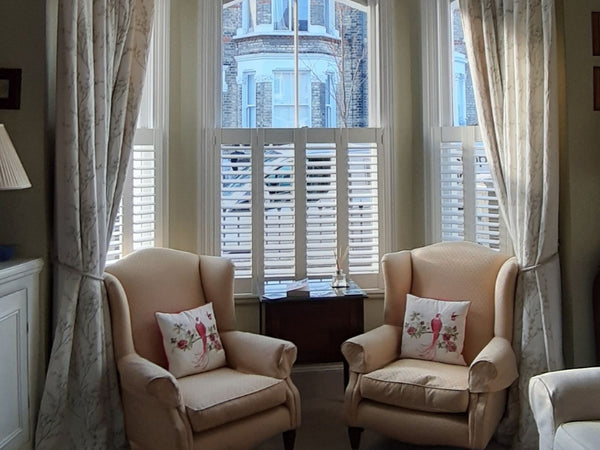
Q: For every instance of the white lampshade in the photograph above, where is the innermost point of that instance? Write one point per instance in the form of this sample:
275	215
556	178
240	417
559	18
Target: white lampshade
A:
12	174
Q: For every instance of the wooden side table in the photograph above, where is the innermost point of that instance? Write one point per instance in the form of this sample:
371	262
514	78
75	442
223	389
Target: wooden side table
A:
317	323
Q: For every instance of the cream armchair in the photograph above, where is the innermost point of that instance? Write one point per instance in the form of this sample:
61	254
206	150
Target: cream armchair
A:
566	408
426	402
232	407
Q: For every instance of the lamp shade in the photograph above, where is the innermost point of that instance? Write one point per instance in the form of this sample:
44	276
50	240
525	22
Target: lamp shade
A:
12	174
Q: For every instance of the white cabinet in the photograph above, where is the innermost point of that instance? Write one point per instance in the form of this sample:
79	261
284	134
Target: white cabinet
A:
19	307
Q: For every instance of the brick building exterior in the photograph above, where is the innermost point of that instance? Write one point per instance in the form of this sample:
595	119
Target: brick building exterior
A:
258	64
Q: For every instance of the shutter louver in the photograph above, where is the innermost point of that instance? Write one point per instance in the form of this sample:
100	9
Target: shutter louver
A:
452	192
321	208
279	211
236	207
144	197
487	210
363	211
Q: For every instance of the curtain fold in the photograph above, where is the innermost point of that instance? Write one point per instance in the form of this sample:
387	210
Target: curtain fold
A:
101	61
512	50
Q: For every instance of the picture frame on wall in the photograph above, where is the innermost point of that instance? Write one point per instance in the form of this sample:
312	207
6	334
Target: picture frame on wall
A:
10	88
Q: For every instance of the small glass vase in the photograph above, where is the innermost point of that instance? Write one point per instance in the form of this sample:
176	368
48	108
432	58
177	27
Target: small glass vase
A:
339	279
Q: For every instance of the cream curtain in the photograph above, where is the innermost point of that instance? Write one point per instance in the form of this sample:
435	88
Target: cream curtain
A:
512	48
102	52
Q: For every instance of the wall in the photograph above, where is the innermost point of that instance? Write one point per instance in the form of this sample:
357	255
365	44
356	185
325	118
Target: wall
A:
25	215
580	185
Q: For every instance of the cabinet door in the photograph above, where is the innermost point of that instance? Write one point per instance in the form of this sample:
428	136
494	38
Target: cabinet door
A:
14	412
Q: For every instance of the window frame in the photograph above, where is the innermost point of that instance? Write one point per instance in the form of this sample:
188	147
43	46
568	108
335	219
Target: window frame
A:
151	135
439	127
381	65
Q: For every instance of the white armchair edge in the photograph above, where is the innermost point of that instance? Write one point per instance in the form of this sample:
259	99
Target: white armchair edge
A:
563	396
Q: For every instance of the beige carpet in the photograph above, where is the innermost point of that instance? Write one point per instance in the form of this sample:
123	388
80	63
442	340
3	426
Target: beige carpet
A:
322	395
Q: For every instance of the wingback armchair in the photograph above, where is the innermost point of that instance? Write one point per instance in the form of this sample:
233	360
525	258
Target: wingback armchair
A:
427	402
249	400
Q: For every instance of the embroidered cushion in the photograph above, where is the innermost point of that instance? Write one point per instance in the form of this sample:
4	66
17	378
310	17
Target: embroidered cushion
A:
191	340
434	330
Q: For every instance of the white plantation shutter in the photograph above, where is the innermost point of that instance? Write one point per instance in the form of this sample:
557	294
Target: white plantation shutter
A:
138	219
487	209
279	211
363	205
236	204
321	207
467	201
452	191
312	191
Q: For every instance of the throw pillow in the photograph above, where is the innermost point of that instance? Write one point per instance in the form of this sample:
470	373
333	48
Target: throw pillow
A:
434	329
191	340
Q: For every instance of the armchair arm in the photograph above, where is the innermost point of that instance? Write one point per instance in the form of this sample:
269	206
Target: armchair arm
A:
146	379
563	396
494	368
371	350
259	354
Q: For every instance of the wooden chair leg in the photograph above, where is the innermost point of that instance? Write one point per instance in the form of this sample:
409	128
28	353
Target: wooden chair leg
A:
289	438
354	433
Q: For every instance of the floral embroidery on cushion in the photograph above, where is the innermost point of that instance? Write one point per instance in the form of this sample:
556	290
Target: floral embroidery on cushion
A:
416	327
434	329
191	340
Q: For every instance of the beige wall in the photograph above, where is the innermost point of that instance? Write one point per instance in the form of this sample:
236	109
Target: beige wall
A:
25	215
580	185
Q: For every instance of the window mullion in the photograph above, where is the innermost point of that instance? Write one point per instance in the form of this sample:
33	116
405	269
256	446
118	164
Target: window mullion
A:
341	189
300	182
468	157
127	201
258	206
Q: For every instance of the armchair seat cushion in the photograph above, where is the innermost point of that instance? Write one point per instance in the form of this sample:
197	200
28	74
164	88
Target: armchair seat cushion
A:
577	435
419	385
223	395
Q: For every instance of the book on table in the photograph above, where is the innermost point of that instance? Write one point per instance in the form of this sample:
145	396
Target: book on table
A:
298	288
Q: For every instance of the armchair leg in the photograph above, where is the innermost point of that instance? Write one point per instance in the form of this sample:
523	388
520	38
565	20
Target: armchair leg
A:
354	433
289	438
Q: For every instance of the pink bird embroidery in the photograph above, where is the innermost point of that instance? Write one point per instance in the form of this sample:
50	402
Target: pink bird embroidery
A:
436	327
201	358
201	329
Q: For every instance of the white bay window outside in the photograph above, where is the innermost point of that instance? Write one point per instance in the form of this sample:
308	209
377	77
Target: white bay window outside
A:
300	184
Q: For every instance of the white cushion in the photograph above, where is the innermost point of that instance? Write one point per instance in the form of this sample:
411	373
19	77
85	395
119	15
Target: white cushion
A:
578	435
191	340
434	330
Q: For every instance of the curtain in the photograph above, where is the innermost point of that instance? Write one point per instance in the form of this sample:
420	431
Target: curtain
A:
512	49
101	61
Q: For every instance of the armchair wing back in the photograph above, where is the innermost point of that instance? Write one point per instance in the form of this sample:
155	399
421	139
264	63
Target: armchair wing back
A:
455	271
428	402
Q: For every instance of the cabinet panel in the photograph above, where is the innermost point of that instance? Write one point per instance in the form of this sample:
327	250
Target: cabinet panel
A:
14	413
318	328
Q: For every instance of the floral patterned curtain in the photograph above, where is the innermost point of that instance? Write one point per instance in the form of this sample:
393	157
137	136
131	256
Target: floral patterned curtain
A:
101	61
511	45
